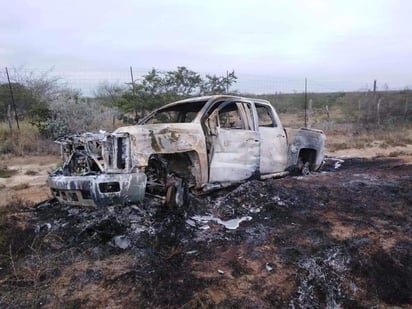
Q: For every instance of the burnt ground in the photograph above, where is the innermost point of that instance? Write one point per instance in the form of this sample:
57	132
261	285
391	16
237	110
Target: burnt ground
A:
339	238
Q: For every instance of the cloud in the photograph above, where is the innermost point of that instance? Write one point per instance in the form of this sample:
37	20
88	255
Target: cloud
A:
307	37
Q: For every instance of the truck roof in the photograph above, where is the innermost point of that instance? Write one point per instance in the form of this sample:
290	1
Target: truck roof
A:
198	103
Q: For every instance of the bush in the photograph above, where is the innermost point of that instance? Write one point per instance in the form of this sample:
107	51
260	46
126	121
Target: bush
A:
7	146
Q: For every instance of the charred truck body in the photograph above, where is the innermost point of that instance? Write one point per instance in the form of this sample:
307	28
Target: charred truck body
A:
200	144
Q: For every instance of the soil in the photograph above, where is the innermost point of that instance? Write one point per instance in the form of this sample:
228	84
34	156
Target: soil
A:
26	178
338	238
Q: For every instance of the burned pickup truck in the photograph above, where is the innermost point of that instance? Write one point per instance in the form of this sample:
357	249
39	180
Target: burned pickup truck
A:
198	144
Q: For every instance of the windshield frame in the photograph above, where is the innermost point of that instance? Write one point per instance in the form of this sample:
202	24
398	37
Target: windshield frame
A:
183	108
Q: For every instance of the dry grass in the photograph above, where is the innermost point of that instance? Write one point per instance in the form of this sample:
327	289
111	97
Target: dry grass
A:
394	154
383	139
20	186
344	134
5	172
15	204
23	141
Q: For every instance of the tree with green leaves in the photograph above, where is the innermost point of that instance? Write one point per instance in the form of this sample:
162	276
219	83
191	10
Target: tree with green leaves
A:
182	82
218	84
158	88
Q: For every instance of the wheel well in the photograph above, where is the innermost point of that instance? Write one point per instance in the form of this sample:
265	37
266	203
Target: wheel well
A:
180	164
307	155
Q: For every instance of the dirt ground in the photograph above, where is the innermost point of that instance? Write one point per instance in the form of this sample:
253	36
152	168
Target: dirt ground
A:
27	179
340	238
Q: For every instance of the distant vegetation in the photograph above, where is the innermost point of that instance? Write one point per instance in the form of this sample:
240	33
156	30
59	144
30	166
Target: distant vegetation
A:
367	110
46	109
158	88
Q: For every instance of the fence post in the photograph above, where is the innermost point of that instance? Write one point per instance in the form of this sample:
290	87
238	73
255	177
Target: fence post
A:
9	119
310	111
378	109
306	102
12	99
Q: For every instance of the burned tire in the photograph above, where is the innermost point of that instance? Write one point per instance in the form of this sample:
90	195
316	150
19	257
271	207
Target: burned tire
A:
176	194
305	169
306	161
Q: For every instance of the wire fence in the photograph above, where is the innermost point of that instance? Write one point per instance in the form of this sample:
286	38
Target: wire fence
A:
333	105
87	82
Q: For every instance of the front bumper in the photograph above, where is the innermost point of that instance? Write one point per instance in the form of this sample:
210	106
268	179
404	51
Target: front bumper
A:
98	190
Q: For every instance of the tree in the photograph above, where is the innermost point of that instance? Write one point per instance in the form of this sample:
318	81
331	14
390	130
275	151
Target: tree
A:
182	82
154	82
109	94
25	100
32	93
157	88
218	84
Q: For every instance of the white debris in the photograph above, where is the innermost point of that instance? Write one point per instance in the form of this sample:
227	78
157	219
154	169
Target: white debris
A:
191	252
338	163
139	229
269	267
121	241
231	224
134	207
191	222
278	200
43	227
255	210
221	272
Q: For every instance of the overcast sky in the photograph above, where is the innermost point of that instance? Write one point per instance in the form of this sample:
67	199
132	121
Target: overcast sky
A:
352	40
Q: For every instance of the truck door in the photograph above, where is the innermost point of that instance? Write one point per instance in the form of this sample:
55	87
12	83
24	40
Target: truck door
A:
234	145
273	142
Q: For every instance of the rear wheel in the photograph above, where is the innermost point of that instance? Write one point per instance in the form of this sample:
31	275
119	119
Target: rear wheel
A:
305	169
306	162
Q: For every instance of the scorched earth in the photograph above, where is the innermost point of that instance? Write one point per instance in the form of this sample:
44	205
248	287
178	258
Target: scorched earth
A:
338	238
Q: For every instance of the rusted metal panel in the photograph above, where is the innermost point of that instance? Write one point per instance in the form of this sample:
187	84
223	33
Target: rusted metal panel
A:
147	140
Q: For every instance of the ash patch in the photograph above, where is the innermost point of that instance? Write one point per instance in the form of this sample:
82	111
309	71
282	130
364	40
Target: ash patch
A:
321	279
334	239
